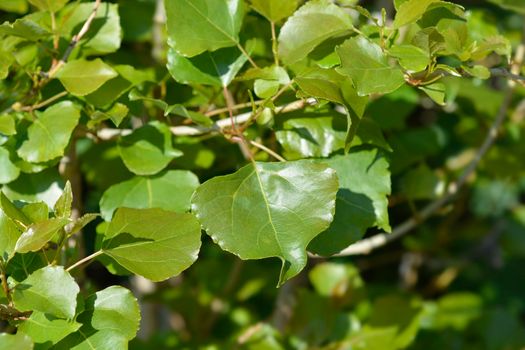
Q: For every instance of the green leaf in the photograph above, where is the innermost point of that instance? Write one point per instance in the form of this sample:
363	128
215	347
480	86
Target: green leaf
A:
436	91
115	309
217	68
37	235
49	5
514	5
207	25
82	77
412	10
50	290
88	338
63	205
13	212
103	37
367	65
50	132
24	28
9	171
36	212
8	237
275	10
19	341
308	135
17	6
364	183
81	222
268	210
411	58
47	329
117	113
312	24
148	149
422	183
171	190
7	125
153	243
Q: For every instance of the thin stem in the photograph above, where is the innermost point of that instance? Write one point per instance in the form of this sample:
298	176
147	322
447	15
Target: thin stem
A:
274	44
245	53
44	103
86	259
234	107
267	150
5	286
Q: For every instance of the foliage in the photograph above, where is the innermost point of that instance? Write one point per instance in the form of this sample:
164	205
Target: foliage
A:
221	147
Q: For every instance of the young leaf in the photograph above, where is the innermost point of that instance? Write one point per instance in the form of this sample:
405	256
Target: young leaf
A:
50	132
82	77
153	243
44	328
268	210
50	290
206	25
148	149
312	24
37	235
115	309
367	65
364	183
24	28
63	205
171	190
13	212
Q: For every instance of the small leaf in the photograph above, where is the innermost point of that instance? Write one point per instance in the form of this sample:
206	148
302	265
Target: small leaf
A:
80	223
436	92
268	210
275	10
50	290
171	190
24	28
207	25
81	77
411	10
312	24
88	338
217	68
364	183
7	125
9	170
44	328
411	58
37	235
50	132
63	205
49	5
19	341
115	309
367	65
8	237
13	212
148	149
153	243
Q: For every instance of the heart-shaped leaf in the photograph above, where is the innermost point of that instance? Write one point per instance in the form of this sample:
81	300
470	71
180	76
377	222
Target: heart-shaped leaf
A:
269	210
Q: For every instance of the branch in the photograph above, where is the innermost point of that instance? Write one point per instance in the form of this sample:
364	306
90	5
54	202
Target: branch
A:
109	134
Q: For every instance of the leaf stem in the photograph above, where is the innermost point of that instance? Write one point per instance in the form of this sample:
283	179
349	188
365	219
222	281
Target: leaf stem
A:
44	103
245	53
267	150
86	259
274	44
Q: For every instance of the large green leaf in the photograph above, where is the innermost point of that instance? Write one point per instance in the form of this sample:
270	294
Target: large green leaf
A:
217	68
87	338
275	10
364	183
50	290
148	149
153	243
9	170
412	10
49	5
37	235
104	35
195	26
50	132
82	77
268	210
19	341
367	65
45	329
171	190
312	24
115	309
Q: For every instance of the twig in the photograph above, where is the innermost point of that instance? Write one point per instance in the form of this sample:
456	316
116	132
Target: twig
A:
86	259
75	40
267	150
44	103
367	245
234	107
